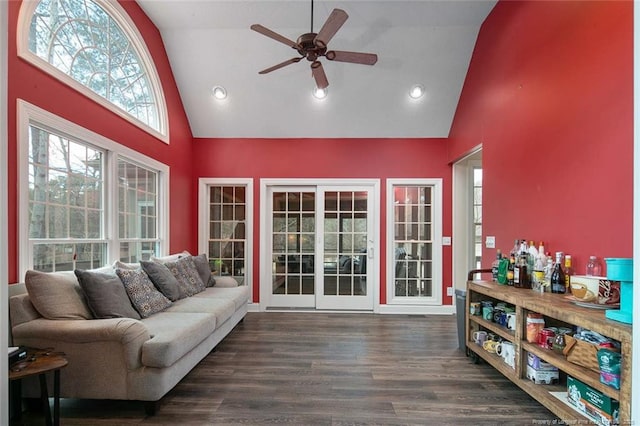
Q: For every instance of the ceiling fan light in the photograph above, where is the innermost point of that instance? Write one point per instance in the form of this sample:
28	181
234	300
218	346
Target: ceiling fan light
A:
319	93
219	92
417	91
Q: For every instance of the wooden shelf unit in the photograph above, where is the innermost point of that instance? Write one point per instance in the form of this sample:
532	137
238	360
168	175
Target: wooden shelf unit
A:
555	308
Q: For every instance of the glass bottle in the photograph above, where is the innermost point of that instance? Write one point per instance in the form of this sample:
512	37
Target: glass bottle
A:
521	274
594	267
568	270
495	265
510	270
558	283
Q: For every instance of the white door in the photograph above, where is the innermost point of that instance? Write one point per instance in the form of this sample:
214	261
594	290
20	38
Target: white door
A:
320	246
345	245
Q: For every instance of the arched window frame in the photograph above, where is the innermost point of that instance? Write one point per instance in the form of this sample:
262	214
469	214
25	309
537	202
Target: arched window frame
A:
119	15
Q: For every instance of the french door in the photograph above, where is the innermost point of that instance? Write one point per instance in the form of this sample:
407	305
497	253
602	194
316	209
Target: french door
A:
320	244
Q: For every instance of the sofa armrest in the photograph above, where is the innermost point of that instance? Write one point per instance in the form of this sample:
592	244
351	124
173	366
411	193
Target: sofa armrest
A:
128	333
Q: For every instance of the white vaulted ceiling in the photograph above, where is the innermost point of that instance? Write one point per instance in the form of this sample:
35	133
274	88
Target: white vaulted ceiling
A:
424	42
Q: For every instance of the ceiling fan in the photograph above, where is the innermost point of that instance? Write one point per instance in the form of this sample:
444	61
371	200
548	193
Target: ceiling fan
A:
312	46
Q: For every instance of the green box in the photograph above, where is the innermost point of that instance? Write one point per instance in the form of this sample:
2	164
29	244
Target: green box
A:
602	408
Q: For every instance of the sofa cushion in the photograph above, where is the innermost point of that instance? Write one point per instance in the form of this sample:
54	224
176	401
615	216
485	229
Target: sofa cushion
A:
226	281
204	270
239	295
222	308
106	295
57	295
144	296
162	278
189	281
174	334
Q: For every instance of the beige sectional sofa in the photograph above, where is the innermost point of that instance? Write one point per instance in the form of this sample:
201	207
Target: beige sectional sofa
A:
125	358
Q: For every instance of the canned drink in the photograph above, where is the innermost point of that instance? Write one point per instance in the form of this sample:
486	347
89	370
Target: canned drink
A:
545	338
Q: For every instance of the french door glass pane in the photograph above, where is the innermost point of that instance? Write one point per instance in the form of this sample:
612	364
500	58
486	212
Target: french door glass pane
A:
345	243
293	243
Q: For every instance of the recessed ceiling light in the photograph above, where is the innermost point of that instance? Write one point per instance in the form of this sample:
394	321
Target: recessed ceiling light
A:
219	92
319	93
417	91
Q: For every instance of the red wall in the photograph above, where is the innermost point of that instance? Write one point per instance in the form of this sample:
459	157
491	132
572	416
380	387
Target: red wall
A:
330	158
34	86
549	94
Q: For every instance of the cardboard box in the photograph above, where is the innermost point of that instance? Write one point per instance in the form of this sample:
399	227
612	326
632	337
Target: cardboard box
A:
543	377
602	408
538	364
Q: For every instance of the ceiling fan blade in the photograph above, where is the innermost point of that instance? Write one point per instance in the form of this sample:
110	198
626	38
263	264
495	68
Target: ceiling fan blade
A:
353	57
337	18
319	75
271	34
280	65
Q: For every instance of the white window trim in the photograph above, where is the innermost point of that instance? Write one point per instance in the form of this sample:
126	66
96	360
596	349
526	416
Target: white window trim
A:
29	114
203	220
116	11
436	299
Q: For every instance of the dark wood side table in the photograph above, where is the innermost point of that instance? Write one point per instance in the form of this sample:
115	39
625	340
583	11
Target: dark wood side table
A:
38	362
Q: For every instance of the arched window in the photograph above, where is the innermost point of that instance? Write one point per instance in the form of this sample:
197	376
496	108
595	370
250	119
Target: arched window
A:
94	45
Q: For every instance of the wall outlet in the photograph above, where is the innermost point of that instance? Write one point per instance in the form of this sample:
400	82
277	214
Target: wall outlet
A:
449	291
490	242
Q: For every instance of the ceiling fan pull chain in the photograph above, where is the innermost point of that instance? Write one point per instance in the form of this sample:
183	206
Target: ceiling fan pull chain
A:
311	16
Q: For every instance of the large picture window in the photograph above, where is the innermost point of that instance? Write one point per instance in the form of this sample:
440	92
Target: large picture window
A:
89	200
93	46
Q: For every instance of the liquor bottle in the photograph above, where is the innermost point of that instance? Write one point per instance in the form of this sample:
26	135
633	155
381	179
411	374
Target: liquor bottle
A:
520	274
568	271
510	270
558	284
495	265
516	248
594	267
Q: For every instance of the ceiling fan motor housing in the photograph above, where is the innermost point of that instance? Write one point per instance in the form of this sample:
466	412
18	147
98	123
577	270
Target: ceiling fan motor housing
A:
309	48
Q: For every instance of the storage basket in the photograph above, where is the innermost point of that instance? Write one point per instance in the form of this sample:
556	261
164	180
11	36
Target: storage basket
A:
581	353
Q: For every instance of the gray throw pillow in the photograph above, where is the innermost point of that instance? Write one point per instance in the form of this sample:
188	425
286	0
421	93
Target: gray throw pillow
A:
56	295
189	281
204	270
144	296
162	278
106	295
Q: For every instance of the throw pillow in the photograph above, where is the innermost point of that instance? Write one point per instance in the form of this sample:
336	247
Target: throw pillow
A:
106	295
56	295
171	257
226	281
162	278
144	296
122	265
189	282
204	270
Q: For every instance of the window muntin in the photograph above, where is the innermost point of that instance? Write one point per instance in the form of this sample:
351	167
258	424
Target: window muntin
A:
137	211
66	190
95	47
227	242
414	246
76	171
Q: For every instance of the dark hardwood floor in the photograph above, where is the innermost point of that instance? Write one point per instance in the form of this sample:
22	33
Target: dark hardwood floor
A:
329	369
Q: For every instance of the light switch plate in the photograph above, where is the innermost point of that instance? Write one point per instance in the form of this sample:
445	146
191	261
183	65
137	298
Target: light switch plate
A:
490	242
446	241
